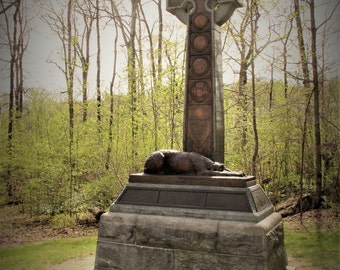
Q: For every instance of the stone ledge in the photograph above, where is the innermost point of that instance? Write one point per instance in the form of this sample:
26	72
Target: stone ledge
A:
220	181
228	237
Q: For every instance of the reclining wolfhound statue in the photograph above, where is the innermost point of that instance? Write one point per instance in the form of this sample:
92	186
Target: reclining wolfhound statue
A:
187	163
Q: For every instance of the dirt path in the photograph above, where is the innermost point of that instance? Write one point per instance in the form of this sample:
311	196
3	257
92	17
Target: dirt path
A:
82	263
87	263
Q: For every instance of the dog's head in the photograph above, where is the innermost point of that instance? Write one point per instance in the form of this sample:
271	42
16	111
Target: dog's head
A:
154	163
219	167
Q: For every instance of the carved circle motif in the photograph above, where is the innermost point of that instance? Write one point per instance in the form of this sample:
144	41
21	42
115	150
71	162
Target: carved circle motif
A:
200	66
200	91
200	21
200	43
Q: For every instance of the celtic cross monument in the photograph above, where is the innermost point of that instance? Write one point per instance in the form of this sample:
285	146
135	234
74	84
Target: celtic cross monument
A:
181	221
203	117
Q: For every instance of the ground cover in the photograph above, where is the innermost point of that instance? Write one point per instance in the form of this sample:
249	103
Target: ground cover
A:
37	256
316	239
38	243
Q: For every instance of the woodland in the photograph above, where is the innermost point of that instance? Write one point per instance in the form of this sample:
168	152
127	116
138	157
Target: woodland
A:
70	151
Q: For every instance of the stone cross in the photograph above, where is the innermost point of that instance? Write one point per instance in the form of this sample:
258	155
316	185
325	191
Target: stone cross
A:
204	113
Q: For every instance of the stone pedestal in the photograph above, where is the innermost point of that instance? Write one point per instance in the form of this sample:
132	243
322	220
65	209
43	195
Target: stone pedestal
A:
183	222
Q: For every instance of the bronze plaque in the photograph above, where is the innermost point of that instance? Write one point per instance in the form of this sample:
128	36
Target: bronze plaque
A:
185	198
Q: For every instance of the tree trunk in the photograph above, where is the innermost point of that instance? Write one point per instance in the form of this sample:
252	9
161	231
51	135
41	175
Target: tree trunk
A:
129	40
255	16
70	76
12	38
316	91
155	79
132	79
160	41
99	118
83	47
303	56
114	72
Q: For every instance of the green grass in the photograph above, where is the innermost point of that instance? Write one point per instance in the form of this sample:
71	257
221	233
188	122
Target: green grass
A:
321	248
37	255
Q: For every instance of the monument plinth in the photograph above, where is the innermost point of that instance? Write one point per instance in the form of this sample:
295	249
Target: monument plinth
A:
184	222
187	211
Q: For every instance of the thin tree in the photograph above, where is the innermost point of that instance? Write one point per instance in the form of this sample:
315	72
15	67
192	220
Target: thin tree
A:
85	9
98	90
113	79
246	42
11	107
21	46
245	37
155	73
254	11
316	97
69	67
16	32
302	49
128	30
61	25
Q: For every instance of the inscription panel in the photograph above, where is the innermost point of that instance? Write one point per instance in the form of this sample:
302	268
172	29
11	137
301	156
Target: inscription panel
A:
182	198
235	201
260	199
186	198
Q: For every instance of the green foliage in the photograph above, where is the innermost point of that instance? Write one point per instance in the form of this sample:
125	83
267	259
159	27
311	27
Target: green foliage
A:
43	181
280	129
47	179
63	221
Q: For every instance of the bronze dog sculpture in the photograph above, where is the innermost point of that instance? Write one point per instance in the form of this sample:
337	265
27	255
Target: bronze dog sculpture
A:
188	163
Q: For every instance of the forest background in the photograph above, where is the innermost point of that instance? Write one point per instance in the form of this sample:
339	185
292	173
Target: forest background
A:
72	149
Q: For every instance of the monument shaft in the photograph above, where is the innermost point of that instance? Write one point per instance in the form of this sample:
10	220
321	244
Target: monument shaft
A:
204	113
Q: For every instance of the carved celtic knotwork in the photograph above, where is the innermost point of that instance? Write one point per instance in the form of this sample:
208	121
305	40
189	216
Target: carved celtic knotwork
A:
200	66
200	127
200	91
200	21
201	43
204	119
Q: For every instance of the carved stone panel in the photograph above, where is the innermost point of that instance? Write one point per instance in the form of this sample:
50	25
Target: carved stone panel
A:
200	91
204	86
199	129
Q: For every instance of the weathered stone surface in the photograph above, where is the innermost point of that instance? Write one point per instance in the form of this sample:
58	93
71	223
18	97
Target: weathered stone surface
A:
211	181
214	261
119	228
111	255
237	238
132	241
177	233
